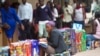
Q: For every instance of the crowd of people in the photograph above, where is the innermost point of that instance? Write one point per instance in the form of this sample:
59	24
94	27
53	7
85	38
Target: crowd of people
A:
28	20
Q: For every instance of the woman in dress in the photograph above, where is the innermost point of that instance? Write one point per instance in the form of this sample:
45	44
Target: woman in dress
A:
9	20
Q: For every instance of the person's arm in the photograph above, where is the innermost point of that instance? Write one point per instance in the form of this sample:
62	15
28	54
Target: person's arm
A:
3	18
94	26
84	13
17	19
31	14
73	16
70	10
15	16
55	39
61	13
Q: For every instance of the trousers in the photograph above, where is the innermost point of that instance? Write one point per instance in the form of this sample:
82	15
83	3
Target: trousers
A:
26	33
42	29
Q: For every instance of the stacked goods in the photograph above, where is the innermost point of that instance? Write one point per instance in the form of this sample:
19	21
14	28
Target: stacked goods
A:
4	51
0	51
69	37
24	48
81	40
35	48
75	40
27	48
16	49
72	42
78	41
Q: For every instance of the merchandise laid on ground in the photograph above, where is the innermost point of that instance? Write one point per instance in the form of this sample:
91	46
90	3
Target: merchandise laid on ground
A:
21	48
75	41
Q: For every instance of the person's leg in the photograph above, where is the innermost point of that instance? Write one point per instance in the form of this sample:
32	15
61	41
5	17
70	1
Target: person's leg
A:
41	27
89	40
28	30
36	28
10	40
69	24
45	33
64	24
22	35
59	23
50	50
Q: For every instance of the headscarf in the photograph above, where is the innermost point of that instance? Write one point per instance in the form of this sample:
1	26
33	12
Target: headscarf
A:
52	23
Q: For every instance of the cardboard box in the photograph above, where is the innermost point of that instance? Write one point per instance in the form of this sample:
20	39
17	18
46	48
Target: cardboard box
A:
89	28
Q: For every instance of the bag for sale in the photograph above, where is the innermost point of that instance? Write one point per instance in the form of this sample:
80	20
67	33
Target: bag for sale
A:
78	41
35	48
77	26
16	49
13	49
83	41
27	48
0	51
71	39
5	51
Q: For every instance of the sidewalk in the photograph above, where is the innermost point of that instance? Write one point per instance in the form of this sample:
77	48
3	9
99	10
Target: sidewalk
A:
95	52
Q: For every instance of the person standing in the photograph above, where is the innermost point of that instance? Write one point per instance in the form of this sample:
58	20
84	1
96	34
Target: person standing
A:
25	13
9	20
53	10
60	16
44	14
68	11
79	15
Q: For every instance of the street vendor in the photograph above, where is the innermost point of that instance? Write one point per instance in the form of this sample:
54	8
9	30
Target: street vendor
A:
96	30
55	41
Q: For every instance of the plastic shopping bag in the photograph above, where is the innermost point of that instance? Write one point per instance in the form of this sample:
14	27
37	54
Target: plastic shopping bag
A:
77	26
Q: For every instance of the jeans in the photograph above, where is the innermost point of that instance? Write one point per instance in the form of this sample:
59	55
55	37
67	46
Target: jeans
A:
90	38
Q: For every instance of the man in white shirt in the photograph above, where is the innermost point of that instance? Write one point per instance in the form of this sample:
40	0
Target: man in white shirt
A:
68	11
25	13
